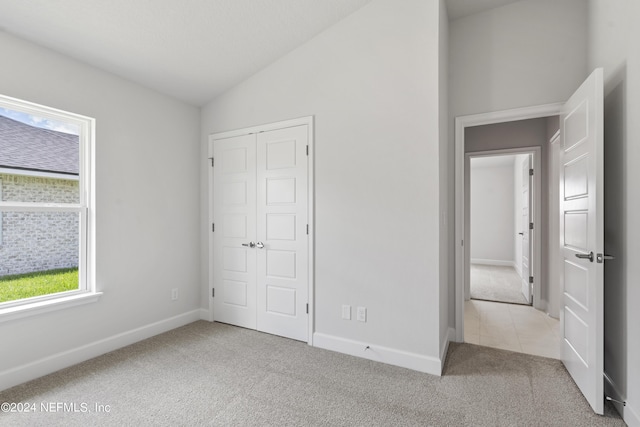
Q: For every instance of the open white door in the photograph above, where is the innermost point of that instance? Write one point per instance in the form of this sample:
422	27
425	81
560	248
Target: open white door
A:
582	238
526	229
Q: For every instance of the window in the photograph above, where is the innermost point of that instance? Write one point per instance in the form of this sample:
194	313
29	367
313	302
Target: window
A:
46	209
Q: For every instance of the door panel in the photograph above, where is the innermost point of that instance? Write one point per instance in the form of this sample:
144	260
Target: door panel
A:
234	265
526	231
282	220
582	234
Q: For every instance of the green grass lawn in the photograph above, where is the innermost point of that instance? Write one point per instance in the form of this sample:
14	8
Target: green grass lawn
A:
29	285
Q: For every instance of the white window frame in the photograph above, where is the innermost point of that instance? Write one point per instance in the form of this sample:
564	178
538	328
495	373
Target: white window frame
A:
86	291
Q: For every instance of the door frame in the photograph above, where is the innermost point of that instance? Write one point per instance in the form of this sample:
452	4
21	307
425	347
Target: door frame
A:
461	123
309	122
536	154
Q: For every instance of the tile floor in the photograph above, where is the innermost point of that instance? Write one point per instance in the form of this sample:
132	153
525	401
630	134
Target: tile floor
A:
512	327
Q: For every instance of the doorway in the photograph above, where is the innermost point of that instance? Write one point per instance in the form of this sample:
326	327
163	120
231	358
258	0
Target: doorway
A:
503	211
505	325
500	214
261	249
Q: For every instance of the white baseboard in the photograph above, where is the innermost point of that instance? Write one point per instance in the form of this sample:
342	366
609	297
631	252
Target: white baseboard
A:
205	314
404	359
498	262
629	415
53	363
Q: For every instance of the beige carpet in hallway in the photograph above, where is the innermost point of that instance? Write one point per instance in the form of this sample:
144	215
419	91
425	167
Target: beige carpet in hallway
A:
496	283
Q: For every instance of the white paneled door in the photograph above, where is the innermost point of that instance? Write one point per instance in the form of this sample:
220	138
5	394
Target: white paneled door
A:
526	229
260	231
234	260
582	238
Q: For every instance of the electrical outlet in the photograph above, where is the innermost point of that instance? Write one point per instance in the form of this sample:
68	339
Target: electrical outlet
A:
346	312
362	314
174	294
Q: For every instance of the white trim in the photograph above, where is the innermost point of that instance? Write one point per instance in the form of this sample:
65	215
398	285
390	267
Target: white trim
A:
307	120
301	121
39	174
391	356
40	207
47	365
311	218
497	262
1	215
629	415
51	302
460	124
86	183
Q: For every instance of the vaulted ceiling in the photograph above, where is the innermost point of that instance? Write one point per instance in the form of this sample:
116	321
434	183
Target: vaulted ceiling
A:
192	50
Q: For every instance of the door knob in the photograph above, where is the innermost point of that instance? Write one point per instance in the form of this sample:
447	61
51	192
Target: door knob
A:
259	245
588	256
250	244
522	234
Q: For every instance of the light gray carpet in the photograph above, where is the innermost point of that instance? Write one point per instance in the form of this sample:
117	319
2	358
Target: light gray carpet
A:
496	283
214	374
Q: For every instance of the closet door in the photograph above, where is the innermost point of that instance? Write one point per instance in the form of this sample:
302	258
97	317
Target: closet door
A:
234	213
282	239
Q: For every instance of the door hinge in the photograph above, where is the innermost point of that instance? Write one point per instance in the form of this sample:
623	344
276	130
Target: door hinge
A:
530	172
530	226
213	292
307	150
461	242
307	308
307	228
530	279
213	227
211	158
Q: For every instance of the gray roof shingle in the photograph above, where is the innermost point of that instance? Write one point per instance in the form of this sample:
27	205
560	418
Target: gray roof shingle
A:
30	148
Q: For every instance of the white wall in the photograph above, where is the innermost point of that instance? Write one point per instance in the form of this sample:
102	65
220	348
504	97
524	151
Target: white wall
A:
446	157
613	44
530	52
147	193
526	53
371	81
492	210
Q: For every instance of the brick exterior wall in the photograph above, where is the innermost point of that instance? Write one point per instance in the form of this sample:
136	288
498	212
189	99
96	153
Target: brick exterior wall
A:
38	241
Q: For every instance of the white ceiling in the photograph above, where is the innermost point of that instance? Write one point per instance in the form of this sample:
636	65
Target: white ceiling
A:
190	49
461	8
193	50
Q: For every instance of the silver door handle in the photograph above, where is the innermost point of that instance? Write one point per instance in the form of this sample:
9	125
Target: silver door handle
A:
585	256
600	258
259	245
250	244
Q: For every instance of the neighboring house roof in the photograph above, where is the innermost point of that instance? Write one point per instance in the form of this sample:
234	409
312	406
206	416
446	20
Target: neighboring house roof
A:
27	147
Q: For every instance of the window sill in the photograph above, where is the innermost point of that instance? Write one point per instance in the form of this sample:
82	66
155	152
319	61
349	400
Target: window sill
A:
39	307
